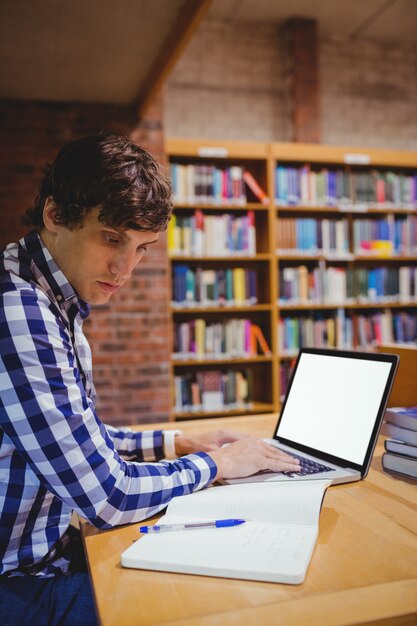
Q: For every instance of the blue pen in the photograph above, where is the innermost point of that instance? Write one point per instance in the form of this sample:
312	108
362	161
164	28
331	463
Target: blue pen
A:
217	523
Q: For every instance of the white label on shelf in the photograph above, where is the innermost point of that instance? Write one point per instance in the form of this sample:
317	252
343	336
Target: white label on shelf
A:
357	159
355	208
213	152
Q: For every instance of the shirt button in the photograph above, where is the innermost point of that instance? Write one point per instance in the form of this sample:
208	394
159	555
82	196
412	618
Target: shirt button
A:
59	298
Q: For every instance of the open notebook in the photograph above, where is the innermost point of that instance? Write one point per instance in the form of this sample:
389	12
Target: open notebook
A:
274	545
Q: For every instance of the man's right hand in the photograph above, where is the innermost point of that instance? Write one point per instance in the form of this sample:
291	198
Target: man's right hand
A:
249	456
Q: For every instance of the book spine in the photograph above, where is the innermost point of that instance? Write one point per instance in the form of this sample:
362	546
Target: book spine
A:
254	186
260	339
251	234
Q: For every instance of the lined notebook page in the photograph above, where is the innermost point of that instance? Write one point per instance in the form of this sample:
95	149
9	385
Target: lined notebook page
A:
275	545
296	503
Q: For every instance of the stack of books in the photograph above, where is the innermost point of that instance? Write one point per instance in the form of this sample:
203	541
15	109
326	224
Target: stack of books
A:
401	449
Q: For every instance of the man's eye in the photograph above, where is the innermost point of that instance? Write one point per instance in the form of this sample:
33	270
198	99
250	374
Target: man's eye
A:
143	249
112	240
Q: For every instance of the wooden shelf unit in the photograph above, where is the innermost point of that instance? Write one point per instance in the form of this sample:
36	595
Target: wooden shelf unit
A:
261	160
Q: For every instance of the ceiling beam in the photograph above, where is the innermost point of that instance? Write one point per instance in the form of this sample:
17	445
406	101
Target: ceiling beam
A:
187	22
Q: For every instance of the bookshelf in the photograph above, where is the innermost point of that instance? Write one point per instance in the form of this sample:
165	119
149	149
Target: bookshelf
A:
325	253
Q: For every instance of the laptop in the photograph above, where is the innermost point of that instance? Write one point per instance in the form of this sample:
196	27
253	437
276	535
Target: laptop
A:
332	414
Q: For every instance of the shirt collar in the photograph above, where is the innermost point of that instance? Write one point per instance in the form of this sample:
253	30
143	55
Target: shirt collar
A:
49	276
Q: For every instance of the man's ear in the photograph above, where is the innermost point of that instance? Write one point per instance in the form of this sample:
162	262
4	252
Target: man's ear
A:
49	215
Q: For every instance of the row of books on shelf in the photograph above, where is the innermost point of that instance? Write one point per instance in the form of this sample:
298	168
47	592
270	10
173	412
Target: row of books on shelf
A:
312	235
227	234
304	186
345	330
241	338
337	285
213	390
198	287
400	456
299	285
210	184
206	183
233	338
386	237
379	237
212	235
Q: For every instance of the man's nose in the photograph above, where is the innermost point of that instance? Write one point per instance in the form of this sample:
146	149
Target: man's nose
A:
124	264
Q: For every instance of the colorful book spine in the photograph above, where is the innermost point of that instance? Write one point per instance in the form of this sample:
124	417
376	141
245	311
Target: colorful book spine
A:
259	340
255	188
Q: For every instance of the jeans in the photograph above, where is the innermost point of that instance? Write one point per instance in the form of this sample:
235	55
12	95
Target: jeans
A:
59	601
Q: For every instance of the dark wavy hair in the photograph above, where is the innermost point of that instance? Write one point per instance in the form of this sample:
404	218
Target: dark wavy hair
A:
108	171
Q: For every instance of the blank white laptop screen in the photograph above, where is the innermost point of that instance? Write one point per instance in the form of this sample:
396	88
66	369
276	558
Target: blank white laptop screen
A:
333	403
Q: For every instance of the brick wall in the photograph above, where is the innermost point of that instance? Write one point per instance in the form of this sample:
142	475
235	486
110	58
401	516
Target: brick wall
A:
130	336
369	93
232	83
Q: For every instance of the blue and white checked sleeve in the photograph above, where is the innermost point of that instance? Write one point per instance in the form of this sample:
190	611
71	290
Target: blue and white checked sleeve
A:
52	423
147	445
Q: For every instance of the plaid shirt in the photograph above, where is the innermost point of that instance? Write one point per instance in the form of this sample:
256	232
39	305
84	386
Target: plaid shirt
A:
56	456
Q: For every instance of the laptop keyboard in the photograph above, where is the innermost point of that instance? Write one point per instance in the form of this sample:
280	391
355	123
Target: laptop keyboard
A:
308	466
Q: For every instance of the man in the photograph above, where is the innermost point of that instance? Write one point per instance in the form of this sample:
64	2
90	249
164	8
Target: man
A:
101	204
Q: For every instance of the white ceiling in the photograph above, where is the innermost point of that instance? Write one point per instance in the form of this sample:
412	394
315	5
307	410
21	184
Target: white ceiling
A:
101	50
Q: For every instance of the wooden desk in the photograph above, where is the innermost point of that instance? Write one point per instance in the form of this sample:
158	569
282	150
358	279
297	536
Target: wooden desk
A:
364	568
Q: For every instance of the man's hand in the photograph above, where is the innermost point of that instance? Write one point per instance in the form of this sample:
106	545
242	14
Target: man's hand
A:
206	442
243	457
249	456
